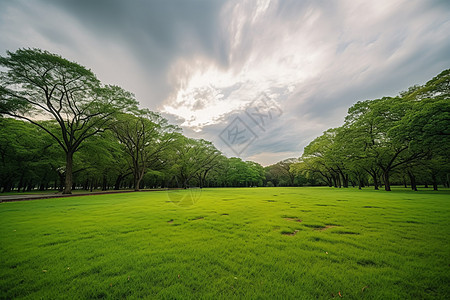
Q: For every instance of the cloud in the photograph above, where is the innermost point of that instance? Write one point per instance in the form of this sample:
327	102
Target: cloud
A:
203	62
315	60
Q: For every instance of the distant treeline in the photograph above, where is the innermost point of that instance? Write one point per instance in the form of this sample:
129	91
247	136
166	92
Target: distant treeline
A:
401	140
61	128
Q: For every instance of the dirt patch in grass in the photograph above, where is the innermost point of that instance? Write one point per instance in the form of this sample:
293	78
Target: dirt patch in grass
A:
170	221
295	219
197	218
315	226
224	214
290	233
270	200
372	207
325	227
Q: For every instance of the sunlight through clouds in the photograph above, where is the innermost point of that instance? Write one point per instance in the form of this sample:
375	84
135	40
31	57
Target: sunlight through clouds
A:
264	61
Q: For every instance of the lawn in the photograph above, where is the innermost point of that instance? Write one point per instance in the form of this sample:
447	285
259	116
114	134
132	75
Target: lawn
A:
248	243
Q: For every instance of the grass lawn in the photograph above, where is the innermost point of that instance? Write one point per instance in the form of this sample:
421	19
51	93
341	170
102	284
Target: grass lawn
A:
297	243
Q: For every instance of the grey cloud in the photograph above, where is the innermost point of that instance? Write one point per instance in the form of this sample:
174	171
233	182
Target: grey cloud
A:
165	25
155	33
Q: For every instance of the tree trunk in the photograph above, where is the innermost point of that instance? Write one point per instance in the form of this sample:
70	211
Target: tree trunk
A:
68	180
344	180
136	182
328	180
404	182
387	185
118	181
375	181
412	178
104	182
435	186
138	175
7	186
19	186
426	185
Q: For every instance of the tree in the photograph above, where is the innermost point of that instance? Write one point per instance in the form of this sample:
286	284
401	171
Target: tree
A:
39	84
145	136
324	155
281	173
376	125
193	158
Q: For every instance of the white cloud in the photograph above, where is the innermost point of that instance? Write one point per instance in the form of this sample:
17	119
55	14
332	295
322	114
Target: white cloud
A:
263	59
313	59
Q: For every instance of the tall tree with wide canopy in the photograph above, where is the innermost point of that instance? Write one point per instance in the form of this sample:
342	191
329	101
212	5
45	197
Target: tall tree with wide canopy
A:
37	85
145	136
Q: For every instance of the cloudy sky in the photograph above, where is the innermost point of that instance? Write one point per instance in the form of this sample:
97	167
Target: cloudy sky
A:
299	64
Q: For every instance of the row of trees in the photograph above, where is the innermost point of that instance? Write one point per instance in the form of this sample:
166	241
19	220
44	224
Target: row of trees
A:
405	139
62	128
136	152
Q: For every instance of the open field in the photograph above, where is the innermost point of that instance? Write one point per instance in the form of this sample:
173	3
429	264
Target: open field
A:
231	243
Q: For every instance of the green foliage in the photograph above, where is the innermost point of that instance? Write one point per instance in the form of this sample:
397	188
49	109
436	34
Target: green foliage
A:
383	137
26	155
193	159
39	83
146	137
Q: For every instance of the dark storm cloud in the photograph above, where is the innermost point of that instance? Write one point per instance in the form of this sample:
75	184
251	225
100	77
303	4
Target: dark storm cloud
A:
166	28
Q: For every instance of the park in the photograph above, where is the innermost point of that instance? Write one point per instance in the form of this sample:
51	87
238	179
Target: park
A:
224	150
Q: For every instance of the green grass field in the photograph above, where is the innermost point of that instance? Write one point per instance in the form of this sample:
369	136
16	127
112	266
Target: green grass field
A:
248	243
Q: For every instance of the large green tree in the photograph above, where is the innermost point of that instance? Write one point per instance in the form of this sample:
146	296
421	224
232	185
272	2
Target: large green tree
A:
193	158
145	136
36	84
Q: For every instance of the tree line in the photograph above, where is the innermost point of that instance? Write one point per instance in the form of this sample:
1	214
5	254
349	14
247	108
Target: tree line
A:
402	140
61	128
